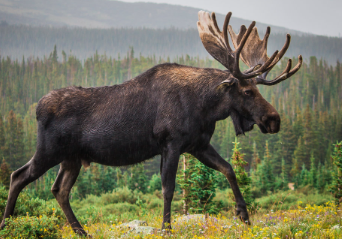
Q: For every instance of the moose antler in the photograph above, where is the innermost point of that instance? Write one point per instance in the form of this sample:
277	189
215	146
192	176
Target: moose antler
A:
217	44
254	54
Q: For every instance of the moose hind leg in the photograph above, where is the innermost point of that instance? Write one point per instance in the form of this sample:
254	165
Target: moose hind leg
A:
65	180
20	178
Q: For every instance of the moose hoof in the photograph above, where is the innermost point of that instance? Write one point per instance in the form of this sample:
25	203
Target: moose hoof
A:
242	213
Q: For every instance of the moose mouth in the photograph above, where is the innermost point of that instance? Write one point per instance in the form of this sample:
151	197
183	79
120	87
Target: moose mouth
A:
263	129
243	124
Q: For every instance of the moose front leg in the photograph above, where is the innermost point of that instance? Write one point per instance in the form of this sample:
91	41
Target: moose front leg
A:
209	157
169	165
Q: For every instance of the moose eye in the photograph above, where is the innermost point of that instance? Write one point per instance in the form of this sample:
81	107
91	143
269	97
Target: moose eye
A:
248	92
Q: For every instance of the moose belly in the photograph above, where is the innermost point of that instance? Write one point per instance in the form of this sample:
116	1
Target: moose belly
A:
119	148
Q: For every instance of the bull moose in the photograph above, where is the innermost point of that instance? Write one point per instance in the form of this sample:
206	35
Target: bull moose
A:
168	110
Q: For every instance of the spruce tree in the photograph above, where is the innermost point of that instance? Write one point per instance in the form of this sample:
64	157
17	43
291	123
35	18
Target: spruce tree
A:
2	137
242	178
5	173
319	183
303	177
186	182
138	179
198	184
255	160
313	172
310	142
206	183
336	186
298	159
283	175
14	147
266	172
155	183
286	144
108	179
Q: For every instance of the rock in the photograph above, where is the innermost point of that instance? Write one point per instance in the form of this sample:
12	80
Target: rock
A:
144	230
137	227
192	218
134	224
336	227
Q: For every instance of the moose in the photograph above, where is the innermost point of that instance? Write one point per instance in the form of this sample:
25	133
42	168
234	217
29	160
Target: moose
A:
168	110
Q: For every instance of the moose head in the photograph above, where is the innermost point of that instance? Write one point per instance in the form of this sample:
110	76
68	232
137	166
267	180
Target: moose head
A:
247	106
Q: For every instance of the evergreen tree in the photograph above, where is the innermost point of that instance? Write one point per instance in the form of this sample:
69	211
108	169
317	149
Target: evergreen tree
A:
320	181
336	187
282	181
108	179
186	182
242	178
255	160
310	142
313	172
84	182
286	144
198	184
298	159
155	183
138	179
14	148
206	184
5	174
303	177
2	137
95	176
267	176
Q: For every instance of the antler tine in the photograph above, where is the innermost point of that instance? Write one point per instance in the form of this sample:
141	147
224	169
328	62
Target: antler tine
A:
267	65
254	54
248	46
284	75
281	52
264	67
234	60
267	34
225	29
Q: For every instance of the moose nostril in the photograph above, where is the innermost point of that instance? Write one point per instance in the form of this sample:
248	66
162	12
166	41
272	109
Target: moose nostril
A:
274	116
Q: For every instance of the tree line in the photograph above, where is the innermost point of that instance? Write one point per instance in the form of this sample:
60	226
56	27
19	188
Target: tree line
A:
308	102
83	42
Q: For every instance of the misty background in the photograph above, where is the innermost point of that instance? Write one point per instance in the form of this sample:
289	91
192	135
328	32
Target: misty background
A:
31	28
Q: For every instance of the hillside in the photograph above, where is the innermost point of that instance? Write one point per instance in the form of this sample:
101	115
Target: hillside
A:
33	27
108	14
16	41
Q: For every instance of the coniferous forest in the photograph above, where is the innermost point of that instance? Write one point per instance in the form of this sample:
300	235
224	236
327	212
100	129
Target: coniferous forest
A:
299	157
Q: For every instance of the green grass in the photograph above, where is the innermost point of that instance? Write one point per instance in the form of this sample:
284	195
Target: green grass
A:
302	213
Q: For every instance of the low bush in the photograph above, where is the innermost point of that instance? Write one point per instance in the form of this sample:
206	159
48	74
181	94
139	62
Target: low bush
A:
32	206
291	199
31	227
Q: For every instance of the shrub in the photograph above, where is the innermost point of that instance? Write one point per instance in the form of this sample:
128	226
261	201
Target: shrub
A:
155	203
119	195
155	183
31	227
34	206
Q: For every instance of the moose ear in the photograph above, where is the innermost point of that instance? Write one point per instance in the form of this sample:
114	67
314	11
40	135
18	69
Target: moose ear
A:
228	82
224	85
